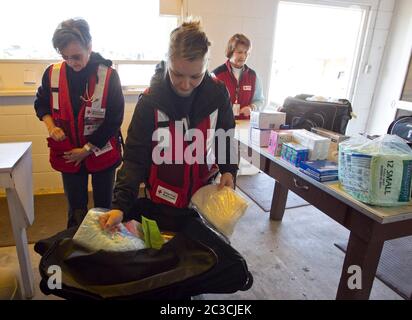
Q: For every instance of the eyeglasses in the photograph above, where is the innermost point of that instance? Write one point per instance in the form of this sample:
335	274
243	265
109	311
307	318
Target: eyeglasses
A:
75	57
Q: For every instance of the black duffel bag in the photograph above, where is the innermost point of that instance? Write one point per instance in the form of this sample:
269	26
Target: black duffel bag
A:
304	114
196	260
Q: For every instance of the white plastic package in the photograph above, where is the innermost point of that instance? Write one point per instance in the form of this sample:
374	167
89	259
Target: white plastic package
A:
90	235
378	171
318	145
221	208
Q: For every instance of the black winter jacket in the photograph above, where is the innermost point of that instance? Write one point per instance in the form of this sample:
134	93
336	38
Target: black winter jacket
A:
209	96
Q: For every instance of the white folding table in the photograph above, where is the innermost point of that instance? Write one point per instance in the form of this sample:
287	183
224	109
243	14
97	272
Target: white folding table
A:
16	178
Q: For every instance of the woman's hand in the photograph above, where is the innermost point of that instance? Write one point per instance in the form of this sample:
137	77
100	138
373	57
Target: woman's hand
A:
76	155
246	111
226	180
111	219
57	134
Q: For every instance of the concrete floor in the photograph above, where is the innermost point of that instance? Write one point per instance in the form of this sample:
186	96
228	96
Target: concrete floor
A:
292	259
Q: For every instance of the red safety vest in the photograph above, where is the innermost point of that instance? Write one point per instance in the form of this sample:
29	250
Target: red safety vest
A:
240	92
173	183
91	116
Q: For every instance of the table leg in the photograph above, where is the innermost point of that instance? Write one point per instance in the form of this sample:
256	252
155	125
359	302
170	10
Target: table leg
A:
20	237
280	195
360	256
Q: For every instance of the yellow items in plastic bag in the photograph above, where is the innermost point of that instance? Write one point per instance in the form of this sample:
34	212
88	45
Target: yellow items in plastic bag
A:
222	208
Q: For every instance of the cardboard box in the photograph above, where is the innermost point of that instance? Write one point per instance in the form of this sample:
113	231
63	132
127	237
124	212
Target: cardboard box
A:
294	153
267	120
335	138
259	137
277	139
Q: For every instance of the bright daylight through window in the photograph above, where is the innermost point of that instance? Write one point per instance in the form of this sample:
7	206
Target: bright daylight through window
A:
316	50
122	30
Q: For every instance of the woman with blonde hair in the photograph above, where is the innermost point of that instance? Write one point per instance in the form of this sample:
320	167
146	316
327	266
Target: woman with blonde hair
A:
182	96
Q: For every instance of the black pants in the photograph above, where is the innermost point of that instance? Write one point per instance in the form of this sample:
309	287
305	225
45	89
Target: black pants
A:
76	191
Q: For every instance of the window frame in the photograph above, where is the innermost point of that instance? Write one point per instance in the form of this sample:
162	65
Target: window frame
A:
31	91
364	40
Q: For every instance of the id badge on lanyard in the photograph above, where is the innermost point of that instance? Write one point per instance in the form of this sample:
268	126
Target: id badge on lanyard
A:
236	105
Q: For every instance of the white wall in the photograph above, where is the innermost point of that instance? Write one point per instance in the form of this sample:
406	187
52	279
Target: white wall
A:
223	18
380	18
393	69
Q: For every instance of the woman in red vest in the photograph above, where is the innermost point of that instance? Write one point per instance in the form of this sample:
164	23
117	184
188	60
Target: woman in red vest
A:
242	82
182	94
183	101
81	104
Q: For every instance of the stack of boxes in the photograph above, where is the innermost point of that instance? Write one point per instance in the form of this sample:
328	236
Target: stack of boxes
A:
300	145
314	152
320	170
277	139
261	125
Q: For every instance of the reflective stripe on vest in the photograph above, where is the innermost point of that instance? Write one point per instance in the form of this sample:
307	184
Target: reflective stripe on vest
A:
54	84
210	157
95	114
98	90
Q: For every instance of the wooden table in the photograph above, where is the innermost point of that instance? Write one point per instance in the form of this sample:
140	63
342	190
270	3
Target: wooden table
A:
369	226
16	178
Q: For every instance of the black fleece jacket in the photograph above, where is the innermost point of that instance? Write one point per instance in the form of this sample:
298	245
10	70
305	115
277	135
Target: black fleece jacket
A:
207	97
77	86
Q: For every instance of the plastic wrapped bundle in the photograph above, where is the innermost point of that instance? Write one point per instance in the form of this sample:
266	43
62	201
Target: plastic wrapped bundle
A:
221	208
376	171
91	236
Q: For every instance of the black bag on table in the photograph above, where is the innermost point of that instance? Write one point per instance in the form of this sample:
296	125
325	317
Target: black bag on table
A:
303	114
402	127
197	260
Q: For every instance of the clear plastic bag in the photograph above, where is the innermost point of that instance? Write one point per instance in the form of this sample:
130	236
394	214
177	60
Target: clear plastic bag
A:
221	208
91	236
378	171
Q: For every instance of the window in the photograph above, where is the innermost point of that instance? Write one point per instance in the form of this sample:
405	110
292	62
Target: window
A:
134	76
124	30
407	87
316	50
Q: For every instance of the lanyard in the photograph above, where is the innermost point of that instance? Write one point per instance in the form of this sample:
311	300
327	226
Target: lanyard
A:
237	92
237	84
86	98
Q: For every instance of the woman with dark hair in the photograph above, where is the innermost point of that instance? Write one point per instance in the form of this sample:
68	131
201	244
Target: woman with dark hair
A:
81	104
241	81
